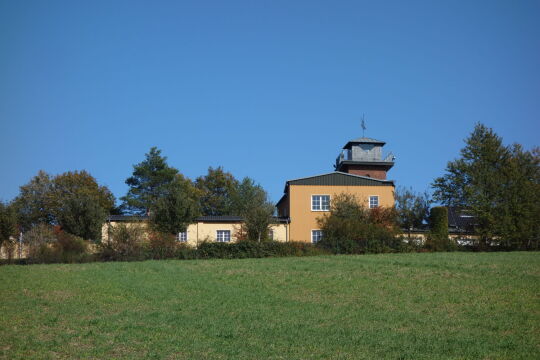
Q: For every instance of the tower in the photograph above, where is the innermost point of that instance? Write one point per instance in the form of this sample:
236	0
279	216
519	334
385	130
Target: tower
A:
364	156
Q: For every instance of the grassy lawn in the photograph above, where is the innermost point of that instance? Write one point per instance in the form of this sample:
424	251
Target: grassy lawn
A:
398	306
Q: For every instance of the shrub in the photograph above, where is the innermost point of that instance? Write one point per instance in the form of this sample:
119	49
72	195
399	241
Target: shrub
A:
251	249
124	243
39	240
161	246
350	228
437	239
45	245
70	248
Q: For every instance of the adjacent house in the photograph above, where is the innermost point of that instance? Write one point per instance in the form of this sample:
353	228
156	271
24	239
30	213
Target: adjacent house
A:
205	228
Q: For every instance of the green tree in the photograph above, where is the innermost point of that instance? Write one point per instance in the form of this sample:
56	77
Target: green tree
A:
351	228
33	202
218	189
79	204
250	201
177	207
499	185
8	227
412	208
73	200
148	183
438	224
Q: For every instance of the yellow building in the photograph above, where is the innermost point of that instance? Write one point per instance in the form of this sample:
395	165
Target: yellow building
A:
360	171
204	229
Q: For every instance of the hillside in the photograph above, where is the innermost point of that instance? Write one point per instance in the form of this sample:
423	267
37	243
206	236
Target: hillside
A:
406	306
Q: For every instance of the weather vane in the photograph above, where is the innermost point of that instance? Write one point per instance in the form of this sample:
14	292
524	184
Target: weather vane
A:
363	125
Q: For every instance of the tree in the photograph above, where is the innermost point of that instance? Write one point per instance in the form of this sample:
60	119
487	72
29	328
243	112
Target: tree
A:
177	207
73	200
217	189
79	204
412	208
351	228
148	183
8	227
438	224
33	202
250	201
499	185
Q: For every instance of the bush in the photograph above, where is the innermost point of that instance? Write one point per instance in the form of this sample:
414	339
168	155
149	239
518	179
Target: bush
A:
251	249
162	246
45	245
70	248
125	243
350	228
438	239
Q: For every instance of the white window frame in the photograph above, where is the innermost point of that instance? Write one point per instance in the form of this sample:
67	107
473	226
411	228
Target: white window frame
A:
320	202
369	201
182	234
271	234
313	237
224	239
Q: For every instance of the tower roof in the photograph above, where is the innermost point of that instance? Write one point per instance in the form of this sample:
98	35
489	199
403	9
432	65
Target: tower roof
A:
363	140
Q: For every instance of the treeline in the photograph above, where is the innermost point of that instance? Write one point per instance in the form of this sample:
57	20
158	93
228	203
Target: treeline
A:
73	203
62	216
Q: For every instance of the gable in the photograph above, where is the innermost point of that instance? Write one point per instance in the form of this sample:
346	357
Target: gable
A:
340	179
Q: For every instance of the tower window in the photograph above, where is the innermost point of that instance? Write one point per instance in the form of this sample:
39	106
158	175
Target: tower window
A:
373	201
320	202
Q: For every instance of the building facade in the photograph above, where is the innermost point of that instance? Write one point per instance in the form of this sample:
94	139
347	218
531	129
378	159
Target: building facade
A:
361	171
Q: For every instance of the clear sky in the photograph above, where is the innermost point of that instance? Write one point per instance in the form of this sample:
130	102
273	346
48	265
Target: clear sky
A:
266	89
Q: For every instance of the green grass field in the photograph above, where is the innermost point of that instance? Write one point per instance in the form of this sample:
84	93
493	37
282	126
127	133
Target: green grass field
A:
397	306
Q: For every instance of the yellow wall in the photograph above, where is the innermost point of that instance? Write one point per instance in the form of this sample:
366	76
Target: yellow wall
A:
303	219
201	231
109	224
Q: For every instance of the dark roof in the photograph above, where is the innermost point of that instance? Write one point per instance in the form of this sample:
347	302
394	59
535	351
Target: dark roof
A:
223	218
338	178
386	165
460	219
363	140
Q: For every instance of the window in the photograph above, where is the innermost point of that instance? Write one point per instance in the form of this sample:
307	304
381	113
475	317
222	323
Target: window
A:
182	236
320	202
316	236
223	236
373	201
271	234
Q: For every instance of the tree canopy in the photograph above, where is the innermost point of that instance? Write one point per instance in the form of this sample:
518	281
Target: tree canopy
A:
352	228
250	201
148	183
217	192
73	200
177	207
499	185
412	208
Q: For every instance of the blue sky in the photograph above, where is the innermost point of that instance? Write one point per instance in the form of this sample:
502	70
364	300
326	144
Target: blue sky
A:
266	89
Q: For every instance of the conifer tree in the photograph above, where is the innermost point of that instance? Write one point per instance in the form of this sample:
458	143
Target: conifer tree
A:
148	183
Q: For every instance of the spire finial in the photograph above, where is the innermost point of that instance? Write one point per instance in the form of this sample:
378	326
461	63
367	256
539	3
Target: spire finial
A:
363	124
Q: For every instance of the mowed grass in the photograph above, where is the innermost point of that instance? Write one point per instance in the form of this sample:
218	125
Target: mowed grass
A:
397	306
